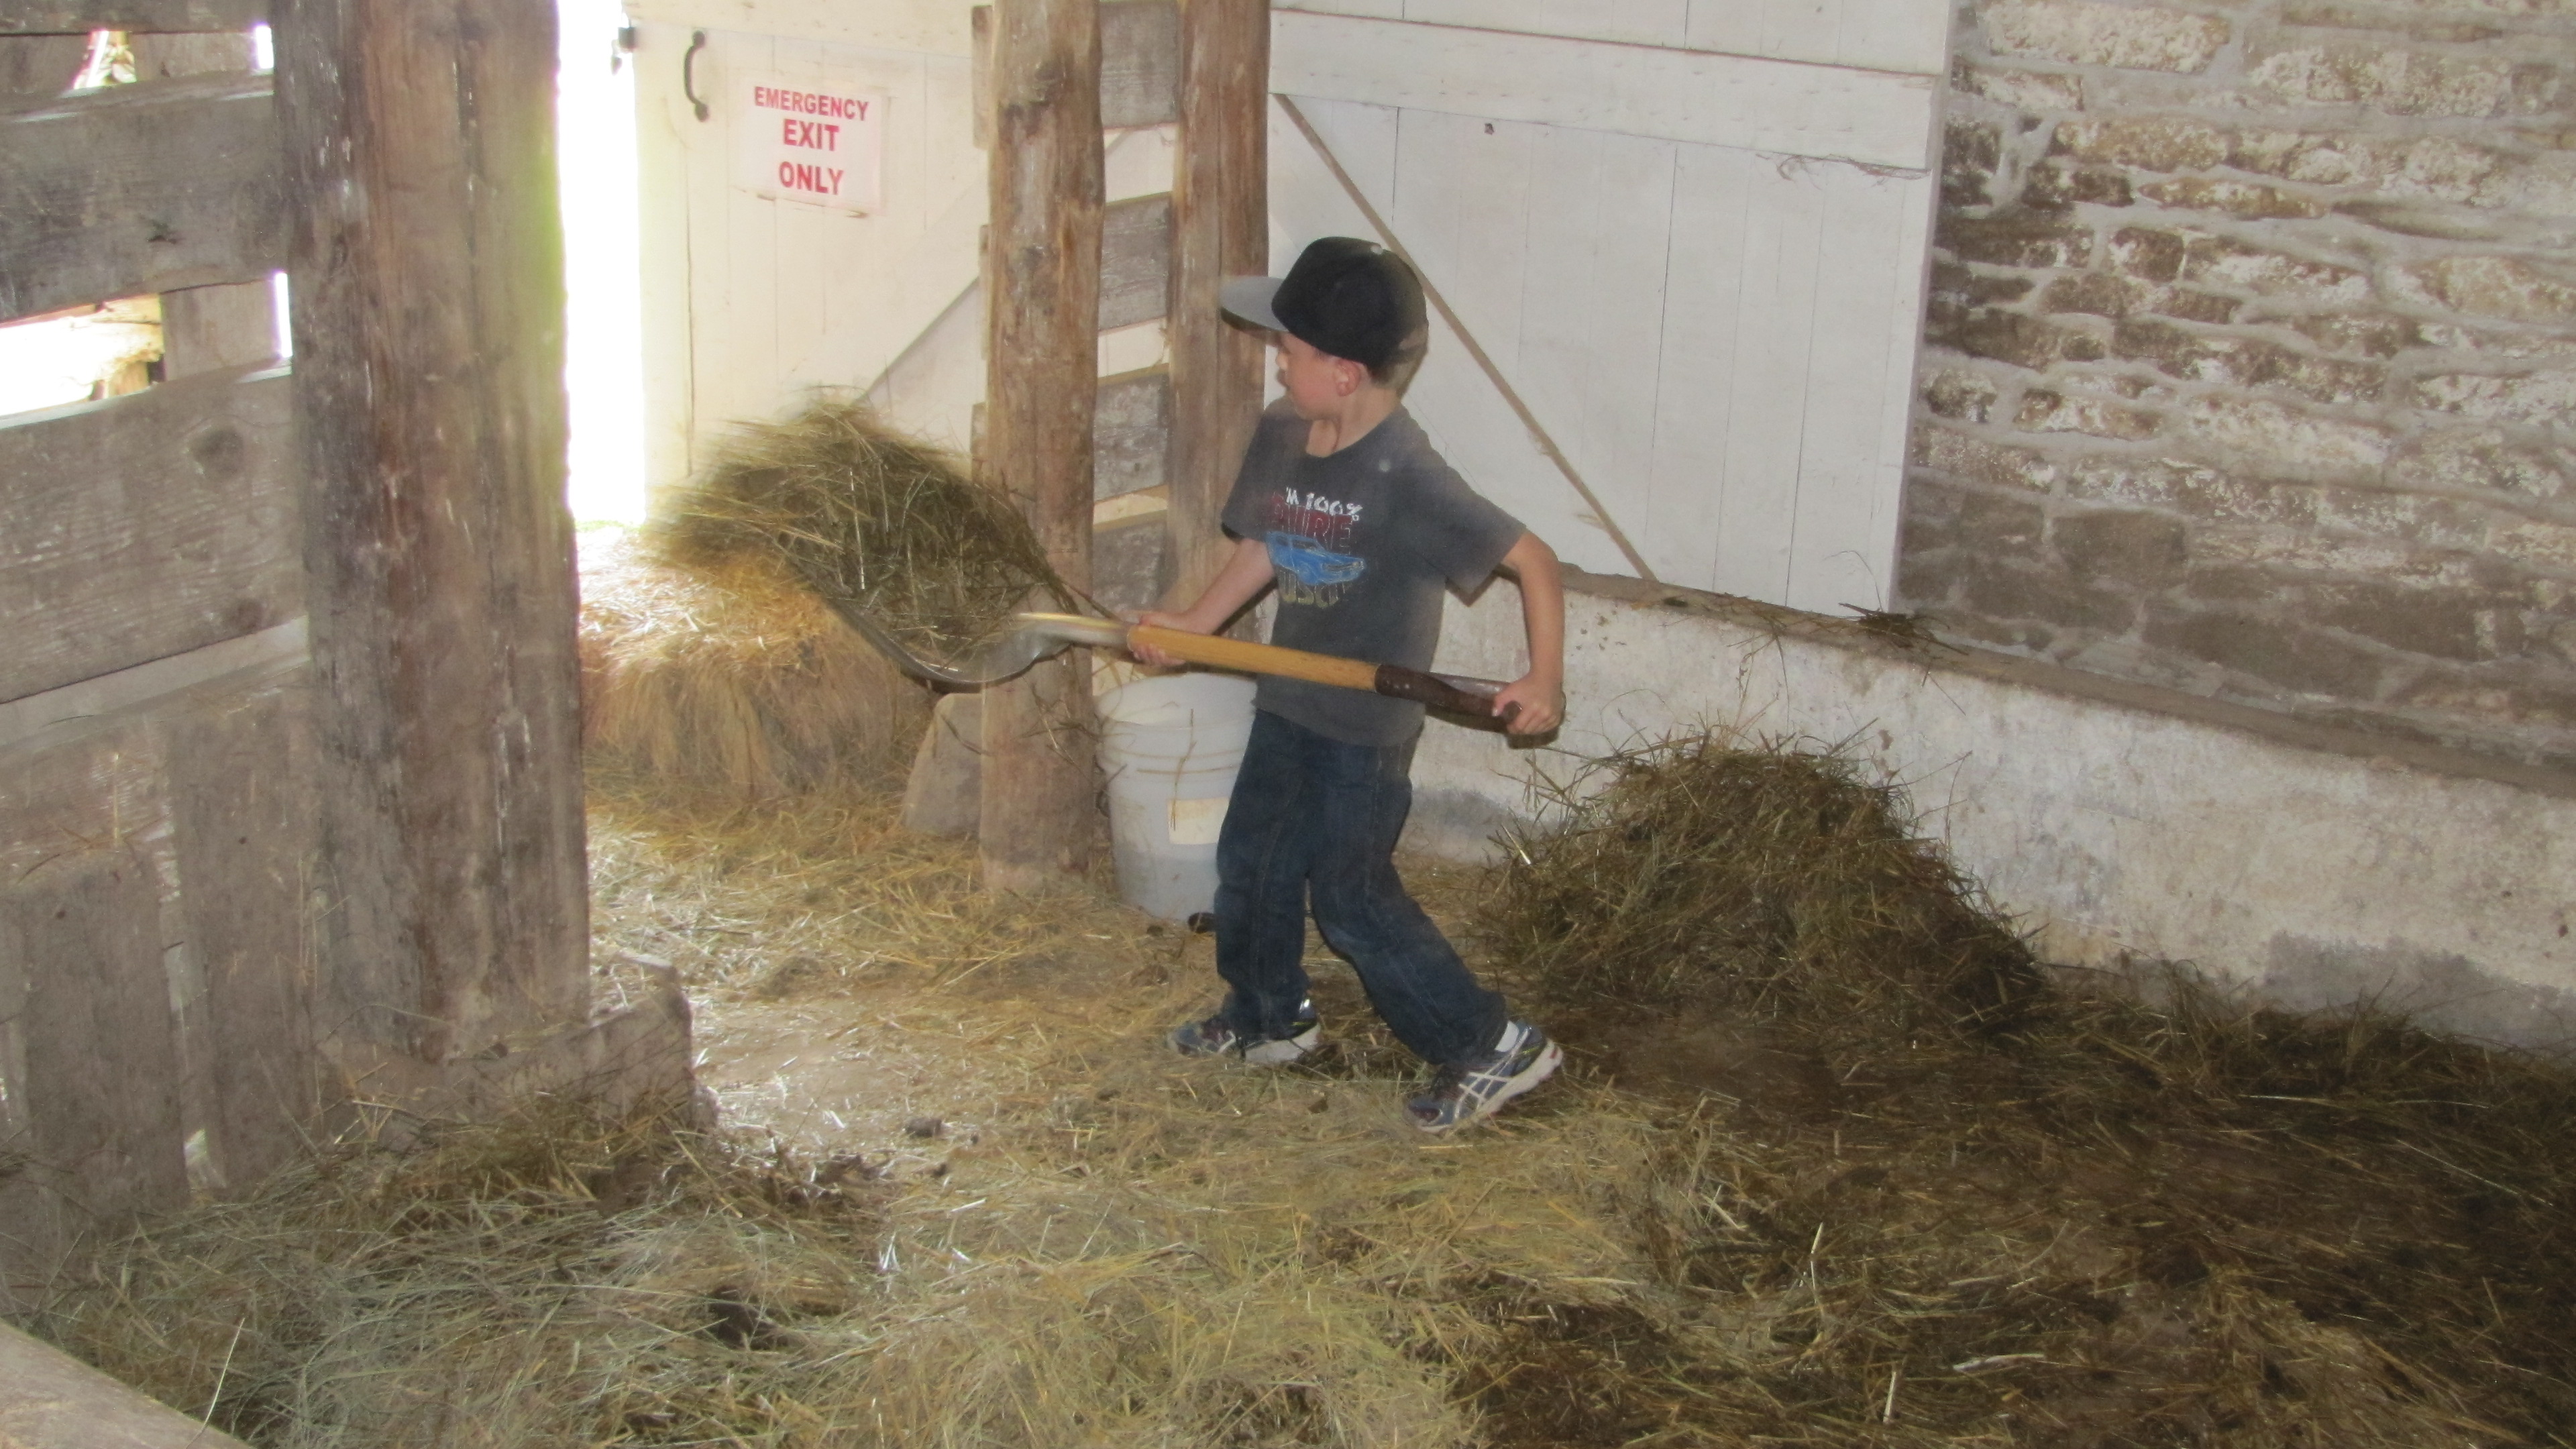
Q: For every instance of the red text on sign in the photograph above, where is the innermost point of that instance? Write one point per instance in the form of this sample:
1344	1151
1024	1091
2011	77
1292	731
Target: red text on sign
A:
813	135
780	98
814	180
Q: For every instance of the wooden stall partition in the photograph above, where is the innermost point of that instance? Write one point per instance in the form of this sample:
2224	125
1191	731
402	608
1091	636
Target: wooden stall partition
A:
155	806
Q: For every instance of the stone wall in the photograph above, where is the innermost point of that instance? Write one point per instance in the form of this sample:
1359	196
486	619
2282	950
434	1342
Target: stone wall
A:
2251	357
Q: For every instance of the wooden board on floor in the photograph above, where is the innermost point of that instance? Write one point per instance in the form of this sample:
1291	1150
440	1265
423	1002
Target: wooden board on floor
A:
145	526
140	188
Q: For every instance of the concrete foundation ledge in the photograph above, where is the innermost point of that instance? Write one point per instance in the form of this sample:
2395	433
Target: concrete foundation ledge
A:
50	1400
2118	822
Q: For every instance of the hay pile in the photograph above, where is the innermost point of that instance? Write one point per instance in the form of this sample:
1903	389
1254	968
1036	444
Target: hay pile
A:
2090	1220
875	524
2000	1209
724	645
553	1279
728	675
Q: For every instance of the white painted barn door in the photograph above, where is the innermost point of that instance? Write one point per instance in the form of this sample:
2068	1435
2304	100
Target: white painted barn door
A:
1691	235
751	301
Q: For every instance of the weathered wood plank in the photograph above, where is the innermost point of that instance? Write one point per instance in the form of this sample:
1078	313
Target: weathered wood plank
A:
1135	261
1140	63
145	526
1132	432
1220	228
1127	562
40	67
212	329
101	1085
242	823
141	188
91	787
428	343
170	57
77	17
1042	291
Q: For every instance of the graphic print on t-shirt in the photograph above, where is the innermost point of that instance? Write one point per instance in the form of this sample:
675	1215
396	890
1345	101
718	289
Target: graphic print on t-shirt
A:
1307	537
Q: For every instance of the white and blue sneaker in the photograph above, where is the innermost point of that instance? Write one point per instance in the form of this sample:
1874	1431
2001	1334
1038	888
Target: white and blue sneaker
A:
1521	1059
1213	1038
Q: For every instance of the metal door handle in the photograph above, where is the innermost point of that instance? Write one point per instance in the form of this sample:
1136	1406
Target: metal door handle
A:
689	73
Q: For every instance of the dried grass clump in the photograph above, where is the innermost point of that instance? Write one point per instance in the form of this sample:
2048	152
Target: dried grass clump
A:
2143	1214
873	523
1765	881
552	1279
729	675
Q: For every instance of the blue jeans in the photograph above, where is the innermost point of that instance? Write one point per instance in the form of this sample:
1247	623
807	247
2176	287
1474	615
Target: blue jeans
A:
1315	818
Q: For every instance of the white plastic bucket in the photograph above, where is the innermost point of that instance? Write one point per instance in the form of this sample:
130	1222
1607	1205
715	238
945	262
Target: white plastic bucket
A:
1170	746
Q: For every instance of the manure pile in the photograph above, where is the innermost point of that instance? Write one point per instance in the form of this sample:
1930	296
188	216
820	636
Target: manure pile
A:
1998	1208
1965	1203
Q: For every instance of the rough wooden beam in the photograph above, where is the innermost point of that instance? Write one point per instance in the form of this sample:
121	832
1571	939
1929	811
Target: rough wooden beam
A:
146	526
76	17
1135	261
1040	811
428	281
1220	225
141	188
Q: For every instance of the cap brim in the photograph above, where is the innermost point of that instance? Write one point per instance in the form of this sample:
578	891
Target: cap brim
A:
1249	298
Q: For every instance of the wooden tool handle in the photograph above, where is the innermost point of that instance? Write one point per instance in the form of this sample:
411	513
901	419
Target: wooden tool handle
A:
1476	697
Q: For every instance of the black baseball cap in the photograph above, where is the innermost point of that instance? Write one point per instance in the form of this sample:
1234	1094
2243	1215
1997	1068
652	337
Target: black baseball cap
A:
1346	297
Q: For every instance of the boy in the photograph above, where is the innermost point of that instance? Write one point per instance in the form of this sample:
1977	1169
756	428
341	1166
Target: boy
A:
1345	506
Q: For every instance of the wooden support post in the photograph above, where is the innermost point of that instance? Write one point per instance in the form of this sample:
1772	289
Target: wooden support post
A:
1221	228
426	272
1042	292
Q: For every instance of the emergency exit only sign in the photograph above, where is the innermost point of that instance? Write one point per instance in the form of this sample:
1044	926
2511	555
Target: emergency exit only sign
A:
799	140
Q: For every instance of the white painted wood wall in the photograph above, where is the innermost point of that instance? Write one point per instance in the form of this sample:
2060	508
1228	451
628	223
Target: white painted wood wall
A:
1691	235
749	303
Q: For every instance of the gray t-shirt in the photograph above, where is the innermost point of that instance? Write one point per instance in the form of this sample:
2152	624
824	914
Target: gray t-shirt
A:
1362	543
